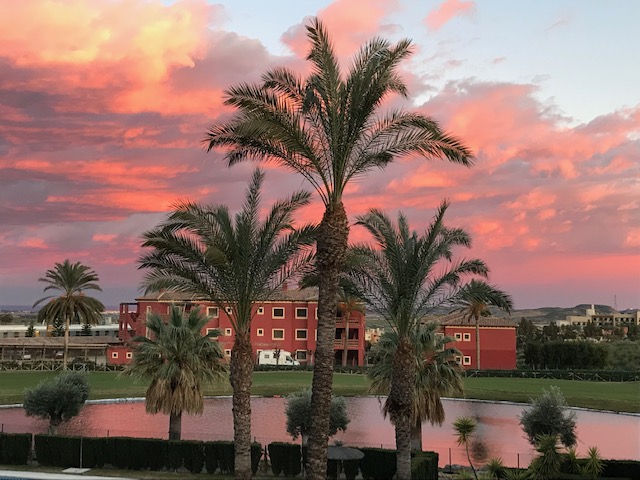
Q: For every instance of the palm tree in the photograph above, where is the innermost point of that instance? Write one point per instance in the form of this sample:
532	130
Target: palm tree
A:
348	303
465	427
402	278
179	360
233	261
474	300
328	128
437	374
71	281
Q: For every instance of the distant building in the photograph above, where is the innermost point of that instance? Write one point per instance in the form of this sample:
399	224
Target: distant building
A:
615	319
287	322
497	341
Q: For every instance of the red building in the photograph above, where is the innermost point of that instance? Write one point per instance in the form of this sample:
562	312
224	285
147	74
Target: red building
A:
497	342
288	322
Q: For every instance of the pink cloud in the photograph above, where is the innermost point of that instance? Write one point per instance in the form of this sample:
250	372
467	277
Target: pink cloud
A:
448	10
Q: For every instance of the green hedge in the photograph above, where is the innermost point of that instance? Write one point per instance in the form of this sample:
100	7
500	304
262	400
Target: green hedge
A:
424	466
285	458
15	448
378	463
220	456
621	469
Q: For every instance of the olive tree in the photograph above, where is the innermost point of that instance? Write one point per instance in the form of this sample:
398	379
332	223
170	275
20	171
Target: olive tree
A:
57	400
299	415
548	415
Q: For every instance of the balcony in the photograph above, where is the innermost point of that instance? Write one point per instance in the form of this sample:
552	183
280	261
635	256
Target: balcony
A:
352	343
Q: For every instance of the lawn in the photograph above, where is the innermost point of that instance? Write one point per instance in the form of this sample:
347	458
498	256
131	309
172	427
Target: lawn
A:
615	396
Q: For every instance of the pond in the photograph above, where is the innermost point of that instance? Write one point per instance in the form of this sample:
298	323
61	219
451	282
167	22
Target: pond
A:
499	434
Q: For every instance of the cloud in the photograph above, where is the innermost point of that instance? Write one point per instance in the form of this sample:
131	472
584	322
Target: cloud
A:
448	10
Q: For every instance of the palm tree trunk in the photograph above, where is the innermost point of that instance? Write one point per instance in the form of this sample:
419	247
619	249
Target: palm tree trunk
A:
175	426
65	354
346	341
400	404
416	437
333	233
477	343
241	370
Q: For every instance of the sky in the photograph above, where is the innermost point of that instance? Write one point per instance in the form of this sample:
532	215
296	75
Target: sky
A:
104	104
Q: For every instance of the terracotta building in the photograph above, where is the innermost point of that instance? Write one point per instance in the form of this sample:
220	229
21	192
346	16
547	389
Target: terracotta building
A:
288	322
497	341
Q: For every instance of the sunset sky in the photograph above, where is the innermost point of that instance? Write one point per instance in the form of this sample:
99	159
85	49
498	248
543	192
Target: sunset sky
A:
104	103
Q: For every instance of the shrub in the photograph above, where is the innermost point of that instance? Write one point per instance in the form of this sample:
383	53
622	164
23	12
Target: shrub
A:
57	400
378	464
548	416
57	451
15	448
95	452
621	468
285	457
424	466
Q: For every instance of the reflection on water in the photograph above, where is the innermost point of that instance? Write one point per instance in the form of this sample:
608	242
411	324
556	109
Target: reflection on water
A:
617	436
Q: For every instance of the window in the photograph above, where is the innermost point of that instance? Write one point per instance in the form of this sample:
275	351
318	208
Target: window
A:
260	332
228	332
277	334
301	313
277	312
458	337
148	308
260	311
301	334
301	355
114	354
212	333
439	337
458	359
129	355
213	312
466	337
227	352
466	360
229	310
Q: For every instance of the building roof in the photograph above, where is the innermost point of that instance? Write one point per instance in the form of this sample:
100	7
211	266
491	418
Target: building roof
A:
458	320
286	295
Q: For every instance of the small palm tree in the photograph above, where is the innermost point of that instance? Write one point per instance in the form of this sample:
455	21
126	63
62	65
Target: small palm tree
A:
465	428
71	280
234	261
329	128
473	301
179	360
593	464
547	463
438	374
402	278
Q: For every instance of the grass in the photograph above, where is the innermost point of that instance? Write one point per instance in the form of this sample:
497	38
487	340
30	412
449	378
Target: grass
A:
613	396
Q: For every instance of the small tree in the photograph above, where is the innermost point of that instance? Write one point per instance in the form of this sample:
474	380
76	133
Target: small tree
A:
465	427
299	412
58	327
6	318
548	416
57	400
86	330
547	464
31	331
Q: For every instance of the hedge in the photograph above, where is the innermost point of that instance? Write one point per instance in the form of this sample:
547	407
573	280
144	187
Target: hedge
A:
285	458
621	468
424	466
15	448
378	463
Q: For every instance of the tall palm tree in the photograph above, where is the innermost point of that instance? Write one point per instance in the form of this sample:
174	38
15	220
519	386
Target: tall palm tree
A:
437	374
402	277
474	300
179	360
233	261
71	280
328	127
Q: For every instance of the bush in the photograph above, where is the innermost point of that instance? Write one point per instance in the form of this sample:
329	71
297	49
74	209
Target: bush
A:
621	469
424	466
285	457
57	400
378	464
548	416
15	448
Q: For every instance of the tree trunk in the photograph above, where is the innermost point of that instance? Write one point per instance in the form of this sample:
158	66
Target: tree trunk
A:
65	353
175	426
416	437
241	370
477	343
345	347
403	381
333	233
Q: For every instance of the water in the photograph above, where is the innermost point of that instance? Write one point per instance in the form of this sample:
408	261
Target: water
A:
617	436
